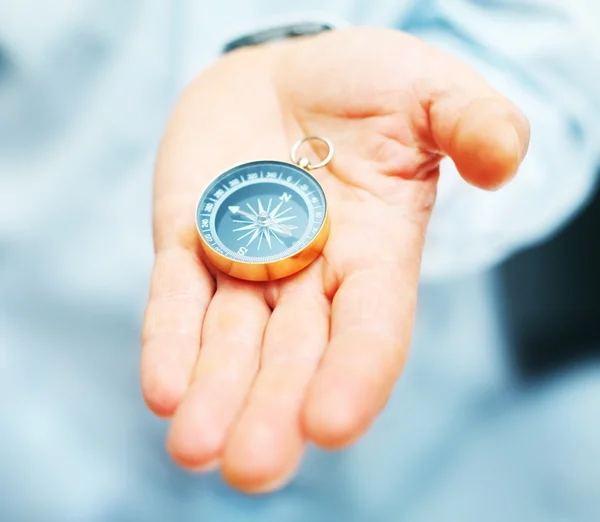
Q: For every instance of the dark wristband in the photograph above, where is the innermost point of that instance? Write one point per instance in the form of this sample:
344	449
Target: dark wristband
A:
277	33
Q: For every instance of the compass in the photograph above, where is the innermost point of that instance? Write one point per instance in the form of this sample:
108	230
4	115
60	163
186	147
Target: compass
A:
264	220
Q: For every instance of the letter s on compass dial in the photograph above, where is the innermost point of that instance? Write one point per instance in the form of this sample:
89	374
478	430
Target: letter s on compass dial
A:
263	220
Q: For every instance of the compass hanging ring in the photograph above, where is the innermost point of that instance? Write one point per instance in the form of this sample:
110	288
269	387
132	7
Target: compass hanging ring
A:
267	219
305	162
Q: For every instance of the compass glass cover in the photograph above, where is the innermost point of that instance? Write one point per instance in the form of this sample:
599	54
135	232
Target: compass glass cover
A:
261	212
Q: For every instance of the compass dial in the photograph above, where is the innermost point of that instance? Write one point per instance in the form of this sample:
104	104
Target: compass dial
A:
262	213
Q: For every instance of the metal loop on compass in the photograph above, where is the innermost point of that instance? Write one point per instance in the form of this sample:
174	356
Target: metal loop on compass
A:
304	162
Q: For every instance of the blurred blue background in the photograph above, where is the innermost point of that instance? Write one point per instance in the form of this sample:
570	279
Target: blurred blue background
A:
505	428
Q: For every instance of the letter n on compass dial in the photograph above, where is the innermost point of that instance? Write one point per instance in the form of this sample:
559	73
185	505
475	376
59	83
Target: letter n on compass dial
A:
261	213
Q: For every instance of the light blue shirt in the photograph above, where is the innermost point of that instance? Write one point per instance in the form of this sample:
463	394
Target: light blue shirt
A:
85	90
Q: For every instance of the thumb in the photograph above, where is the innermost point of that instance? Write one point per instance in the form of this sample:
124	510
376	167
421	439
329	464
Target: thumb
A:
483	132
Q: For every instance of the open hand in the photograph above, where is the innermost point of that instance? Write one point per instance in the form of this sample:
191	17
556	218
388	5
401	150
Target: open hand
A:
252	371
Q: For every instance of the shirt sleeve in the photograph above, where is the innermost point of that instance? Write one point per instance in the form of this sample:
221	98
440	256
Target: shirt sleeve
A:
536	53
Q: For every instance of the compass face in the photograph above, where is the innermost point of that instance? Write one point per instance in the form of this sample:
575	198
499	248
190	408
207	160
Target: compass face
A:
261	212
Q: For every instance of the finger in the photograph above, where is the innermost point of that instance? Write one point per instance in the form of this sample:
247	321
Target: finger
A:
180	292
372	315
266	442
483	132
228	360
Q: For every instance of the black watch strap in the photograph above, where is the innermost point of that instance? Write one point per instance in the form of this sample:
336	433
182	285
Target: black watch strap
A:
277	33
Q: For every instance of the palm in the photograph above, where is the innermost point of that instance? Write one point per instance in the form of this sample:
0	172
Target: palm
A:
253	370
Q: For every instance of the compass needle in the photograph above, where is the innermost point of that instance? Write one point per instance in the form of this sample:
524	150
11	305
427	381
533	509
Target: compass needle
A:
277	237
238	210
284	229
